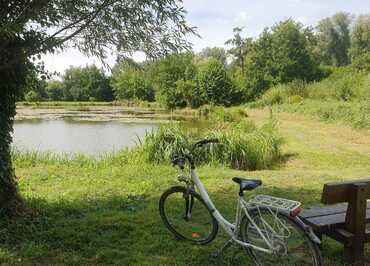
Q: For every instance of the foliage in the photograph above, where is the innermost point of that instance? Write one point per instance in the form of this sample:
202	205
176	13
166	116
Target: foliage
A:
284	93
356	114
215	85
280	55
190	92
34	87
32	96
167	72
362	62
86	83
334	39
214	52
221	115
343	96
239	47
54	90
360	38
132	84
243	146
31	28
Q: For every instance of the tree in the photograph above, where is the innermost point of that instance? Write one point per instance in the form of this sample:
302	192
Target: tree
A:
239	47
291	53
86	83
214	52
360	38
334	39
166	72
215	85
131	83
34	87
280	55
54	90
30	28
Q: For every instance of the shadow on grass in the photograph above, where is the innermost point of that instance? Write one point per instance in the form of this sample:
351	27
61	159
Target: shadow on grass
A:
284	158
118	231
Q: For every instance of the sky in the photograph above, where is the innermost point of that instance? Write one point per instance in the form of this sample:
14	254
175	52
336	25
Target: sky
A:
215	20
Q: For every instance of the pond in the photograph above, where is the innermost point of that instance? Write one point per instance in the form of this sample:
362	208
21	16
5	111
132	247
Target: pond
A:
65	136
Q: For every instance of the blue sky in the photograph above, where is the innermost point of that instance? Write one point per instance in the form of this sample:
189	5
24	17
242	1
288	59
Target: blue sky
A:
215	20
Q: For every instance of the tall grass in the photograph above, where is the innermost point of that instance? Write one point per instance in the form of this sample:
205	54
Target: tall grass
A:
32	158
242	145
343	96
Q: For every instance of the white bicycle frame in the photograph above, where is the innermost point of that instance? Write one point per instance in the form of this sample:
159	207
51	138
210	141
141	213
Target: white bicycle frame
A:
230	228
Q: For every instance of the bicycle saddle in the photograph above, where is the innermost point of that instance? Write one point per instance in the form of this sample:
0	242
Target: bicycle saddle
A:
246	183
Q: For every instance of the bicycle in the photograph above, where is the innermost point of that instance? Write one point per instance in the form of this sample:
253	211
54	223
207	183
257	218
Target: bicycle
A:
267	228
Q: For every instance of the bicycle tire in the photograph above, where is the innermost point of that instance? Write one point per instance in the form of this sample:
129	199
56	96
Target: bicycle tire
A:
275	260
204	216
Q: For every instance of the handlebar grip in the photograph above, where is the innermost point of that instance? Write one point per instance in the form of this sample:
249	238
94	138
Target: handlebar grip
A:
205	141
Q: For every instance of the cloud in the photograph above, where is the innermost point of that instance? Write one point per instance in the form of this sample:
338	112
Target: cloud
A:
215	20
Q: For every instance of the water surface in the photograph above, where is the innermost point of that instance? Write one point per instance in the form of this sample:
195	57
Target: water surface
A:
64	136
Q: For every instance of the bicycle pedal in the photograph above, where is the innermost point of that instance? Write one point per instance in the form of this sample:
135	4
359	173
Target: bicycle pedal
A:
215	254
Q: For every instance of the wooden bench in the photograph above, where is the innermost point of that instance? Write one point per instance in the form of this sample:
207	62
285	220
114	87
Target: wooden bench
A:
346	222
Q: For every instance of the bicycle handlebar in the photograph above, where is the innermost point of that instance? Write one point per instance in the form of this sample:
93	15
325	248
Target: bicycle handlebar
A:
180	160
205	141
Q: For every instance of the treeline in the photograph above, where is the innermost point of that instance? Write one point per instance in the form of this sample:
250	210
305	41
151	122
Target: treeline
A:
77	84
285	52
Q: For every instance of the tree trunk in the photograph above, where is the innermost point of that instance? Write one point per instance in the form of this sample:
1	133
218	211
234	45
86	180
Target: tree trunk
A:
9	197
12	78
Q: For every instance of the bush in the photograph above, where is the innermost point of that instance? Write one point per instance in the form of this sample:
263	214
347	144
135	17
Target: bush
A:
362	62
214	84
33	96
343	84
294	91
243	146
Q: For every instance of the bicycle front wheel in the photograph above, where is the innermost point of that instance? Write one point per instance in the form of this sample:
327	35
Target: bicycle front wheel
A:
186	216
291	245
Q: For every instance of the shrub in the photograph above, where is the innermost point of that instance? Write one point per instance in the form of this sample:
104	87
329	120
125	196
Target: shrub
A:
294	91
33	96
215	85
362	62
243	145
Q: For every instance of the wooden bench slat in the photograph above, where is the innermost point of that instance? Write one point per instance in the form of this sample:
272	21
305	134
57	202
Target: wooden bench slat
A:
320	211
342	235
323	211
325	222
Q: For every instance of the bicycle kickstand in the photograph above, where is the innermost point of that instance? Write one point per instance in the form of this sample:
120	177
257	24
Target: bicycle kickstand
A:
223	248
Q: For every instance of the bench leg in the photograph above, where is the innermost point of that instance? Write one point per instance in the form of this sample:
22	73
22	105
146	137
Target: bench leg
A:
354	254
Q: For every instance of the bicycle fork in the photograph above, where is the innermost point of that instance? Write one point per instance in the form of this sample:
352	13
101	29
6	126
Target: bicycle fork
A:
189	203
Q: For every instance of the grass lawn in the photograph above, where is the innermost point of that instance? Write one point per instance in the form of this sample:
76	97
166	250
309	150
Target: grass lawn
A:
106	212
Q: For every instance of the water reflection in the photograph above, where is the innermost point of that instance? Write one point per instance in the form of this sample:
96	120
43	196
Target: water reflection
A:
66	136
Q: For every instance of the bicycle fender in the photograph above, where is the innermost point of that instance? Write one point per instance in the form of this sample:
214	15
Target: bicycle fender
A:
309	231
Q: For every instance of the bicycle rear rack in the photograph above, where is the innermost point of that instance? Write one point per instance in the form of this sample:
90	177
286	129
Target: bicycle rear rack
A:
281	204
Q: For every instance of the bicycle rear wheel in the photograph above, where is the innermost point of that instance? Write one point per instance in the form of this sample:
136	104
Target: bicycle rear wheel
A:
186	215
292	246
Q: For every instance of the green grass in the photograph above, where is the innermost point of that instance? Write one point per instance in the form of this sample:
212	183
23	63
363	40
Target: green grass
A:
356	114
344	96
105	211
